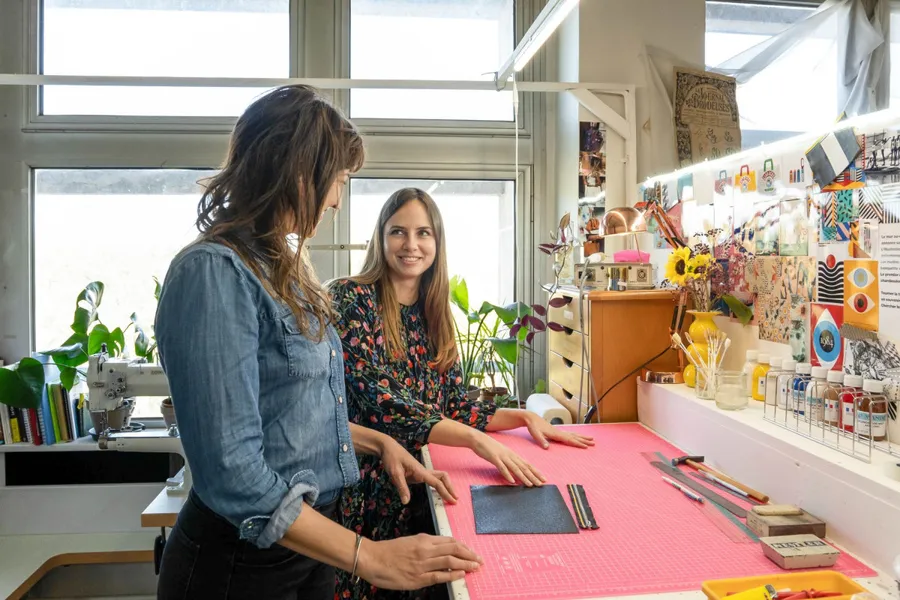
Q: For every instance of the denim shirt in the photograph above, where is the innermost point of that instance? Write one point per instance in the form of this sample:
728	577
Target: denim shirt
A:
260	407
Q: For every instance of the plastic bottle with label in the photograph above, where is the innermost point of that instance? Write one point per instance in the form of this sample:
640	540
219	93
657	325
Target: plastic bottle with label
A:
749	367
852	390
832	398
801	382
871	411
815	394
786	383
759	377
771	384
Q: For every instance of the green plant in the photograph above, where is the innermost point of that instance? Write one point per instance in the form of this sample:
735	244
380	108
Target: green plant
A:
22	383
476	353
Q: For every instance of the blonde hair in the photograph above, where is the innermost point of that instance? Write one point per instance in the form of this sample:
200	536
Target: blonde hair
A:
434	286
285	153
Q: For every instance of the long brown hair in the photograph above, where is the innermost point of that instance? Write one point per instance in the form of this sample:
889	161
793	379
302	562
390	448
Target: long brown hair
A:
285	153
434	286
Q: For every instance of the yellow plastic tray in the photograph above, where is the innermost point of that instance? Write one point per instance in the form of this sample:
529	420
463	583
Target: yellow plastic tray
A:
830	581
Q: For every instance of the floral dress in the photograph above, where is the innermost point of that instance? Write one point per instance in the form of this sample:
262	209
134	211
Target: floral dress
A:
402	398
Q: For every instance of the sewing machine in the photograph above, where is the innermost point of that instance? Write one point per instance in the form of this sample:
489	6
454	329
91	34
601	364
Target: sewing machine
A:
113	384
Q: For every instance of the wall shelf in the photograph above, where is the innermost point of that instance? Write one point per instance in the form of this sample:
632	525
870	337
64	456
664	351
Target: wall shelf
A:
82	444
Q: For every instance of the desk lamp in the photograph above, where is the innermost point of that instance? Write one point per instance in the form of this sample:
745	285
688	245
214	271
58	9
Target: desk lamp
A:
628	220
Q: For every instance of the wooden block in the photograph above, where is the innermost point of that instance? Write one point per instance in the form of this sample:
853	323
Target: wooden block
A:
777	509
775	525
804	551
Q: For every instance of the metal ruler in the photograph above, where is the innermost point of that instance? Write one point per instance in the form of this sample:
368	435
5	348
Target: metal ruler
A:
676	473
727	522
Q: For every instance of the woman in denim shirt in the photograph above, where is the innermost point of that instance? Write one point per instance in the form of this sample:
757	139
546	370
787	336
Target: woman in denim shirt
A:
403	374
257	380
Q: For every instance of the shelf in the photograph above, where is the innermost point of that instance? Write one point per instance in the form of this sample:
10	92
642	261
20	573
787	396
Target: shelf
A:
82	444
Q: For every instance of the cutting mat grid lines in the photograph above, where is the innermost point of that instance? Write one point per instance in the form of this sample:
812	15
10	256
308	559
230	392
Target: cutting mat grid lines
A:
651	538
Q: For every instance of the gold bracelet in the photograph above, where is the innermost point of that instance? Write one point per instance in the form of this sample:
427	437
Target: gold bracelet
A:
353	575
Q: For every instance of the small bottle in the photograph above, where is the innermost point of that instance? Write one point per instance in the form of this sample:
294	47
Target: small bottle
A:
815	394
771	394
759	377
871	411
749	366
832	398
786	384
801	382
852	389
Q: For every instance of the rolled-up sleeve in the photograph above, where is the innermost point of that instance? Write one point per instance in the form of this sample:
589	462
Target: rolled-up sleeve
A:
207	330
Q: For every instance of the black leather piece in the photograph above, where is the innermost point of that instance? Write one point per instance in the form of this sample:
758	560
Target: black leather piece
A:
520	509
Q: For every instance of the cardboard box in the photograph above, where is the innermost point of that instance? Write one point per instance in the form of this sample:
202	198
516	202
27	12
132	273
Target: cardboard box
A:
806	551
775	525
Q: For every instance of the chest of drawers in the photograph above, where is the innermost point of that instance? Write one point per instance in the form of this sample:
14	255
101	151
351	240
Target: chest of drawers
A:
613	333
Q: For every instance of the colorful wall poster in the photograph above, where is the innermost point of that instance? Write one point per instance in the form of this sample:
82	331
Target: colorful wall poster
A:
861	297
830	272
826	343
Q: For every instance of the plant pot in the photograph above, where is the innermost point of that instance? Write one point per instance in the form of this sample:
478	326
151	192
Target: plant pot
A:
473	393
168	412
492	393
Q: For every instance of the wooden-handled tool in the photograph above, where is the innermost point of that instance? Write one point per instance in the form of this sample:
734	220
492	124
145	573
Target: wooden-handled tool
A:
696	462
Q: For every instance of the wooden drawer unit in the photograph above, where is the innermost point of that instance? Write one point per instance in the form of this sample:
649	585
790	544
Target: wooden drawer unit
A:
569	375
568	400
568	345
568	316
623	330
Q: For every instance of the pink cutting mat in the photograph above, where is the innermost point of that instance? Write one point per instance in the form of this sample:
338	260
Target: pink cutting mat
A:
652	539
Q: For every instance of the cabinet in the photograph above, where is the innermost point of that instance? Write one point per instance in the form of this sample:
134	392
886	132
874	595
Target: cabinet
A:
618	333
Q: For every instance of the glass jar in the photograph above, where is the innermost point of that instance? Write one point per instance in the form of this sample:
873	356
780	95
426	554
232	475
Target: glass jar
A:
731	390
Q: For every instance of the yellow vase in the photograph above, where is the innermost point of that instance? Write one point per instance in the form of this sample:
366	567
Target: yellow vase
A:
702	325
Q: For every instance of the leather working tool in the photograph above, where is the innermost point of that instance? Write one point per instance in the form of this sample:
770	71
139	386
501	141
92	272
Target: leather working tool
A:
696	462
701	489
725	488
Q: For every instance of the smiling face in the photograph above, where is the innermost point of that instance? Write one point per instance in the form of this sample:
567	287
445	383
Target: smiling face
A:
409	242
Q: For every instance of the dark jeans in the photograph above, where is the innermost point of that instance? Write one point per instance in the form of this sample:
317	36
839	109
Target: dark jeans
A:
205	558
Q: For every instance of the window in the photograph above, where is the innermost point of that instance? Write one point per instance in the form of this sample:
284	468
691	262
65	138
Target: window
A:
439	39
797	92
162	38
479	223
121	227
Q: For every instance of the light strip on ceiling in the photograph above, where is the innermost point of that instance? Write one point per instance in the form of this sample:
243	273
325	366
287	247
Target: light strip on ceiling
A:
885	117
550	18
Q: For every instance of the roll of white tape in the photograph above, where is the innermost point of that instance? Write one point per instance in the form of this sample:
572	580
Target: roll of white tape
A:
549	409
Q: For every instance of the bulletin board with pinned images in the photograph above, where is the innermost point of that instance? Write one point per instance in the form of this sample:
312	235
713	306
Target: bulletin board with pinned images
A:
809	238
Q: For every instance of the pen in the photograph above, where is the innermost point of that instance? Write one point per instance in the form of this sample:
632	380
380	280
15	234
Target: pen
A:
683	490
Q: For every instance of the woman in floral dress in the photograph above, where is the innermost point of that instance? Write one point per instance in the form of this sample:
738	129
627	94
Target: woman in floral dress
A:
403	376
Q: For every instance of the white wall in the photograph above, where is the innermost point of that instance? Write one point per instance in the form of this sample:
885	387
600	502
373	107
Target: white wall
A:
610	36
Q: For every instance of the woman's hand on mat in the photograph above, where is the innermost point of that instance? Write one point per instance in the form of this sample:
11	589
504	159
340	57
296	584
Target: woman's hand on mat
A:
403	468
511	465
544	433
415	562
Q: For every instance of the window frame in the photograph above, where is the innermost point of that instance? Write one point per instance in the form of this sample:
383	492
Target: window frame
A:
523	14
522	193
37	122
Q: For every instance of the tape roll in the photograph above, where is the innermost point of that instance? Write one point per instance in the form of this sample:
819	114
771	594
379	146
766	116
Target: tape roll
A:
548	409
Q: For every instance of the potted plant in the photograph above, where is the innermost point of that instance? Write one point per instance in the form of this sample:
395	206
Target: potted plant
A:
476	355
22	383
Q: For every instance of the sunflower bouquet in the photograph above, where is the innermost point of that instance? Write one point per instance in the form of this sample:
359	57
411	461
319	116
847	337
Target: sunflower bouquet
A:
693	270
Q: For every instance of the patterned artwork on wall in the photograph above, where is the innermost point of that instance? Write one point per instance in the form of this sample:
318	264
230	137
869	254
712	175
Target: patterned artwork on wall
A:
861	293
826	343
830	273
871	206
